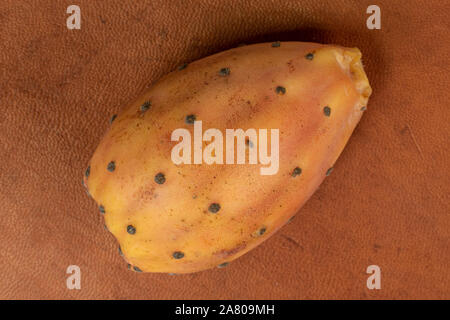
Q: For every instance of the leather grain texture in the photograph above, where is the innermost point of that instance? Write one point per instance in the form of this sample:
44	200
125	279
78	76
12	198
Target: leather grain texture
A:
386	203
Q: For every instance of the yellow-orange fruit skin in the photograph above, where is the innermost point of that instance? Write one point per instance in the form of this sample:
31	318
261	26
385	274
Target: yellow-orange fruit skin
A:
173	216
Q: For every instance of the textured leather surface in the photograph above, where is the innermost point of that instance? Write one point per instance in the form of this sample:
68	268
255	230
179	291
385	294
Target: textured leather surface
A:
386	203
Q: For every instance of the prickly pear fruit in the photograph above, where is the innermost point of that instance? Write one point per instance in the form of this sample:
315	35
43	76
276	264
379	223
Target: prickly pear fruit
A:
181	218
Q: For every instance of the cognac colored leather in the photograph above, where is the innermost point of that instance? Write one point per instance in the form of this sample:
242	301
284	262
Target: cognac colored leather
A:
386	202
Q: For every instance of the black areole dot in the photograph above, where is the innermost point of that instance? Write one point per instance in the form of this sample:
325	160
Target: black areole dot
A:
128	266
297	171
160	178
262	231
224	72
190	119
326	111
276	44
178	255
280	90
88	171
131	229
310	56
214	207
223	265
101	208
137	269
363	108
183	66
145	106
113	118
329	171
120	251
111	166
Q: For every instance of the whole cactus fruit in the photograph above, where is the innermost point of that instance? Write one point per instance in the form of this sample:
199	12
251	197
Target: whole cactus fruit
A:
180	218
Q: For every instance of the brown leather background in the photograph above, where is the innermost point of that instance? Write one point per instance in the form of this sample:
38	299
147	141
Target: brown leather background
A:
386	203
